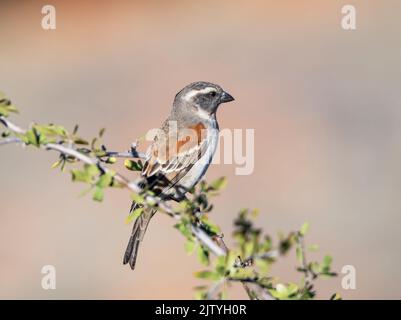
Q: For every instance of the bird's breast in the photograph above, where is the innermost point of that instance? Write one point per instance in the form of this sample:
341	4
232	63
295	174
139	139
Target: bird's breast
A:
200	167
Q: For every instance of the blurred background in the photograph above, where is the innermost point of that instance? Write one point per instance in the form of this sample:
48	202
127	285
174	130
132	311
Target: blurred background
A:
325	105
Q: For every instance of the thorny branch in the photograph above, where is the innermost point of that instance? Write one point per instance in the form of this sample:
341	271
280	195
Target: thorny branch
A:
216	245
131	154
247	262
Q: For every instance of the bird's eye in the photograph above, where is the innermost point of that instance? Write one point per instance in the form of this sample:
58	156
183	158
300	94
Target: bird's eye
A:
213	94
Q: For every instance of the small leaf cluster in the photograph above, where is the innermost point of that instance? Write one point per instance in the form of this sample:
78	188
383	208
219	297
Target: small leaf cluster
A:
6	107
96	178
250	259
42	135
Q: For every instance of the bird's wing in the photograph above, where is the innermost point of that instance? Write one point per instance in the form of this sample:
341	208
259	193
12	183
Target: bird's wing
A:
170	157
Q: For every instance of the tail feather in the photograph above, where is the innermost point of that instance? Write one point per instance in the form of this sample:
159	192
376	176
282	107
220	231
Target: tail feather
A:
138	232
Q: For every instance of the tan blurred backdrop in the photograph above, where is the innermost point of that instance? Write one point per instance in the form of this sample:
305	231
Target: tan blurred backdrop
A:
325	105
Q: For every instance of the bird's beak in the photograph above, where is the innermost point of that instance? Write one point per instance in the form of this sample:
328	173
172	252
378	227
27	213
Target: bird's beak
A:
226	97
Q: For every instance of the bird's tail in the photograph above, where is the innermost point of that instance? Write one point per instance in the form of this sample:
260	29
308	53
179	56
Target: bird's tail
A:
138	231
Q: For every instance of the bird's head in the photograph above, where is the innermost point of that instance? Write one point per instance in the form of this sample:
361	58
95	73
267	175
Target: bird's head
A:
204	97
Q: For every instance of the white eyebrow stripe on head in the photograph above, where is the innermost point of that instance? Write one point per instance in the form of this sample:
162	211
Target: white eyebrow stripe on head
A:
189	95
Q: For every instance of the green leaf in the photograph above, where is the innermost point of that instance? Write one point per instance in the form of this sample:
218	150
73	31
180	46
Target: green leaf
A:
266	245
209	275
327	260
137	198
218	184
56	164
79	176
94	144
51	130
98	194
111	160
100	153
243	273
132	165
315	267
292	289
209	226
255	213
80	141
335	296
203	255
220	265
101	132
88	174
184	228
5	134
280	292
313	247
35	138
249	248
265	282
134	215
231	257
304	229
105	180
200	292
190	246
283	292
326	264
31	137
263	265
6	107
300	255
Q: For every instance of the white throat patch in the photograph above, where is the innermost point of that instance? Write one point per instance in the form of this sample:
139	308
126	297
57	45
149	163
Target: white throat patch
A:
203	114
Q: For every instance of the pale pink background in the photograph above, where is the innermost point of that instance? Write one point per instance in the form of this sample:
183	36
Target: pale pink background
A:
324	103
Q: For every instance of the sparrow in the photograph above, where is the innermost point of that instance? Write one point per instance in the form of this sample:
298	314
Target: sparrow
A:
180	153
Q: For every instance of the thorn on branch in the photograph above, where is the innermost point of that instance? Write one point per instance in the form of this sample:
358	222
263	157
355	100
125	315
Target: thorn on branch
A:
239	263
